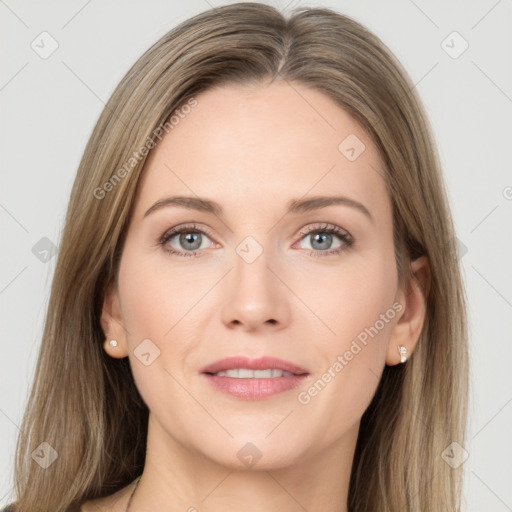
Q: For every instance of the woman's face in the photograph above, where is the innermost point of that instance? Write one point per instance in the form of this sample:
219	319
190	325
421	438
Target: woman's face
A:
260	276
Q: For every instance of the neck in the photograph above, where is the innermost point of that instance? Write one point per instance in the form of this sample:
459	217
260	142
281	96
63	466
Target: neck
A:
176	478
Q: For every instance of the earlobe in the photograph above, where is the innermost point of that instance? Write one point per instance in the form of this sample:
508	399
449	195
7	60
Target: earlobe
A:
113	349
115	344
413	297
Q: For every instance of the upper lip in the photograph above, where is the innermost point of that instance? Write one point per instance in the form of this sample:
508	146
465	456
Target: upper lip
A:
260	363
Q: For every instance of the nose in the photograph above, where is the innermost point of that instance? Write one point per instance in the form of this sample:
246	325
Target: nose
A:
256	298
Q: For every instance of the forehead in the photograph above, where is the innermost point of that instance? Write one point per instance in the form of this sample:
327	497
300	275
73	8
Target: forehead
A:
247	145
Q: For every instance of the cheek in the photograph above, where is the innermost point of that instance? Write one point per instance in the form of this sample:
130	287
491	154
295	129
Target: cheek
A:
355	299
359	310
152	306
154	295
367	304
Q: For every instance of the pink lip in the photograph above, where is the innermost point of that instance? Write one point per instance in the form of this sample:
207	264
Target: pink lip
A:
254	389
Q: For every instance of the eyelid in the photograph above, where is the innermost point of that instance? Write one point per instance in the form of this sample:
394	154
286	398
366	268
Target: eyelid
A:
338	231
320	226
193	227
342	234
302	232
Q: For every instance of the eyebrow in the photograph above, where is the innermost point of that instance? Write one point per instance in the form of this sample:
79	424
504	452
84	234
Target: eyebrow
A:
293	206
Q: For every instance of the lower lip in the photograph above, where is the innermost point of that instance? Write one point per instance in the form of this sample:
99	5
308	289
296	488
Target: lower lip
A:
254	389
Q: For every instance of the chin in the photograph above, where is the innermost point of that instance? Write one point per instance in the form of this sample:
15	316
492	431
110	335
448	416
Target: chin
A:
253	453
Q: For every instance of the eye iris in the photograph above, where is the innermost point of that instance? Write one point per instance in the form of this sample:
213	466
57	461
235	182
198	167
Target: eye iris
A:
323	237
189	238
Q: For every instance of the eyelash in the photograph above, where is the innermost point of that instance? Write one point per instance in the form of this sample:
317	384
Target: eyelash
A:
343	235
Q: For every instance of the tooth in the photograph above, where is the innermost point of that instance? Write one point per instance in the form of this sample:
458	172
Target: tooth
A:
246	373
263	374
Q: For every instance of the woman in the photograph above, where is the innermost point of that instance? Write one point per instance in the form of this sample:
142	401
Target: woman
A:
248	370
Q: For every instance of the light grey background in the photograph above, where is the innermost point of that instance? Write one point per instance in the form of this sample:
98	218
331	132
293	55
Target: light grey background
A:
49	107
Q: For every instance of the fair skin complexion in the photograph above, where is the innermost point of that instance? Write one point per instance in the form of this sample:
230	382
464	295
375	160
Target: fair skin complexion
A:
252	149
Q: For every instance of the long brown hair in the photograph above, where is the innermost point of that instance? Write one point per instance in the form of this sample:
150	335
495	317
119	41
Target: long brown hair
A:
85	404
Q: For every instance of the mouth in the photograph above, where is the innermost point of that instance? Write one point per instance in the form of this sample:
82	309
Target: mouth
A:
254	379
247	373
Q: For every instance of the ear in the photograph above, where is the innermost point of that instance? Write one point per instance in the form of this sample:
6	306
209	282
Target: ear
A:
113	325
413	298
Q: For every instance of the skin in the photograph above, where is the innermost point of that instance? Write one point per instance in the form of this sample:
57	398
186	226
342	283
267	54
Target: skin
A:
252	149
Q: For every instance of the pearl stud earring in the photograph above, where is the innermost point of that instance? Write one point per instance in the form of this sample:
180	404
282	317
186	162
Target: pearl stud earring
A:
403	353
113	343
